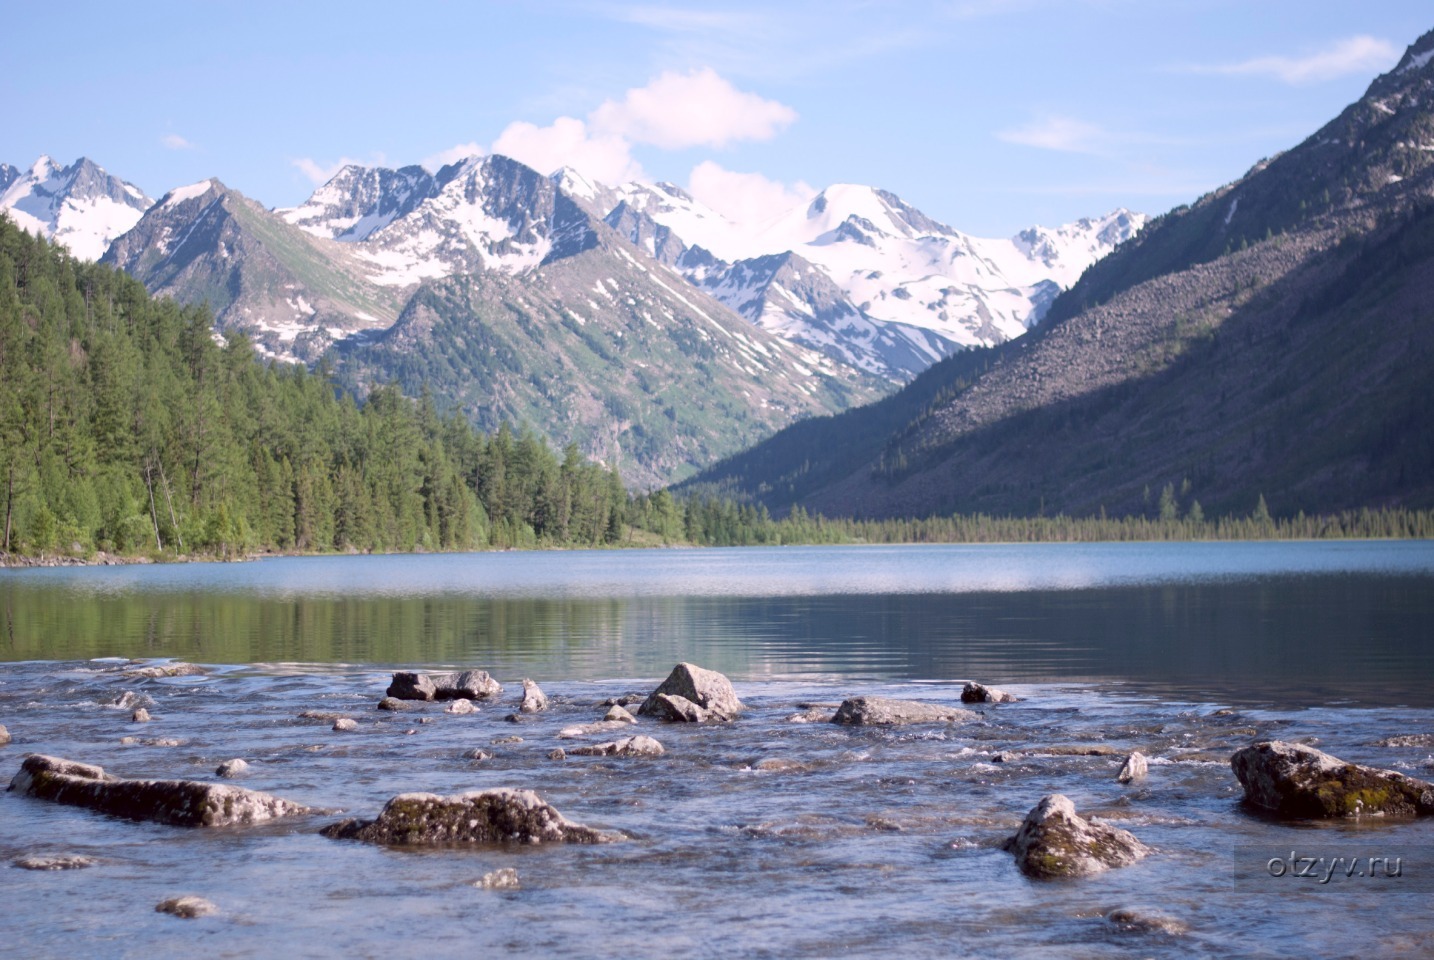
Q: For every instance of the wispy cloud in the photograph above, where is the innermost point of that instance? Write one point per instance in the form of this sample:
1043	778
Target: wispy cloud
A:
1065	134
1353	55
174	141
322	173
459	151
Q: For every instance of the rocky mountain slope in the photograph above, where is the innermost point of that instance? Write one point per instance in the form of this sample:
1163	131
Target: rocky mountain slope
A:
1272	339
80	206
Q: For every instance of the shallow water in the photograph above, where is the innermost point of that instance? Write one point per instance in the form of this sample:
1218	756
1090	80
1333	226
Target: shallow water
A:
862	842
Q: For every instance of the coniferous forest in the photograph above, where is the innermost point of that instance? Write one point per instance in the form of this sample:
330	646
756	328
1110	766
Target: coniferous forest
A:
128	427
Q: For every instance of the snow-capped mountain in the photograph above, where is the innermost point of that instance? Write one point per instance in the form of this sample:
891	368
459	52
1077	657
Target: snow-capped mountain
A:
358	201
80	206
922	284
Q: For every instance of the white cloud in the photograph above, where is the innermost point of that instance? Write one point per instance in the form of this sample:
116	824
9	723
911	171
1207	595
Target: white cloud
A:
174	141
567	142
1065	134
320	173
1354	55
746	199
700	108
459	151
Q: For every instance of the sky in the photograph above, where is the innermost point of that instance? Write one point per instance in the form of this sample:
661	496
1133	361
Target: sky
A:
988	115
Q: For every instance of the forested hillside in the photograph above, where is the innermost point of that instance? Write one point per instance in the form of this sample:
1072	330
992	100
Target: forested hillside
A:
127	427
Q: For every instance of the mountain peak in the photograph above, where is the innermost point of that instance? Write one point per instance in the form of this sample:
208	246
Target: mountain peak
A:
80	206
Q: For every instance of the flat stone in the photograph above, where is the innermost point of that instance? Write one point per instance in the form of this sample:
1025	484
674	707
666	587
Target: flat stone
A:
62	862
182	803
484	816
167	670
1134	768
187	907
394	704
587	729
534	700
980	693
882	711
1296	781
708	689
638	746
1055	842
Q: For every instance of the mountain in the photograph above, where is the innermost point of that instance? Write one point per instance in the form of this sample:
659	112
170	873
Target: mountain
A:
80	206
294	294
887	288
357	201
1272	339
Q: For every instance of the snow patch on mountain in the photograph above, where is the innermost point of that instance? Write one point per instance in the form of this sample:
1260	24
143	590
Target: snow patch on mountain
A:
80	206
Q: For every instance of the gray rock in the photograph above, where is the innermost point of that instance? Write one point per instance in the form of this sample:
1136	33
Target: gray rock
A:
394	704
187	907
485	816
675	709
616	714
468	685
1055	842
345	724
883	711
328	716
63	862
477	754
504	879
638	746
813	715
626	700
1131	920
232	768
557	754
708	689
167	670
461	706
980	693
1403	740
4	735
140	716
534	700
584	729
1134	768
181	803
1293	780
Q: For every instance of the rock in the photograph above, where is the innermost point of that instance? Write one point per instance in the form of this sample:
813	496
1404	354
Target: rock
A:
534	700
1134	768
187	907
393	703
504	879
707	689
615	714
497	740
514	718
181	803
484	816
63	862
4	735
469	685
1073	750
626	700
140	716
780	765
638	746
1293	780
461	706
232	768
1055	842
327	716
814	715
675	709
881	710
1403	740
980	693
168	670
1131	920
477	754
558	754
584	729
345	724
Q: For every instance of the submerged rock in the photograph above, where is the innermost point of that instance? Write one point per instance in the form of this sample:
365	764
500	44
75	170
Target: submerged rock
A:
975	692
584	729
394	704
709	690
638	746
1134	768
814	715
616	714
345	724
461	706
72	861
485	816
626	700
1055	842
468	685
1131	920
232	768
181	803
1403	740
1294	780
504	879
861	711
534	700
4	735
187	907
141	715
167	670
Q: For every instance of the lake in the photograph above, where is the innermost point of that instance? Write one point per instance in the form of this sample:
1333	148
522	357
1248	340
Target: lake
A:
846	841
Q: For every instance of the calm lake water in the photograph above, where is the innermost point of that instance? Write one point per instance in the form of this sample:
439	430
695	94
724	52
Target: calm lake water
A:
849	842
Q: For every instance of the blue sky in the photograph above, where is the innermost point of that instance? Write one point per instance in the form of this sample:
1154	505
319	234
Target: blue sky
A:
990	115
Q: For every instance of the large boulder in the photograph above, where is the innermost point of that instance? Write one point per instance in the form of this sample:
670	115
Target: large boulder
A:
483	816
678	709
708	689
1055	842
638	746
883	711
181	803
534	699
468	685
1293	780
